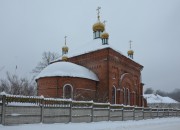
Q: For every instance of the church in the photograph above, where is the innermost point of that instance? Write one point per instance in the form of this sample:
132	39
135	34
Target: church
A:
97	72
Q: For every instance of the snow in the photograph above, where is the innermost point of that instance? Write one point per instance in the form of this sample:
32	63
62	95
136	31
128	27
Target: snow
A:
91	46
3	93
67	69
149	124
155	98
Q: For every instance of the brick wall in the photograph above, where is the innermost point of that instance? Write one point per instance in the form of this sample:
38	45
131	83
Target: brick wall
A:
83	89
113	69
109	66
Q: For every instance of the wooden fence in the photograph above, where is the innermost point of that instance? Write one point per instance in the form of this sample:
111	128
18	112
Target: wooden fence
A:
28	110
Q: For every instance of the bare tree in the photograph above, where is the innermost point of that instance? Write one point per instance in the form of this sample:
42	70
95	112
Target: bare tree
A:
174	94
47	58
17	86
148	91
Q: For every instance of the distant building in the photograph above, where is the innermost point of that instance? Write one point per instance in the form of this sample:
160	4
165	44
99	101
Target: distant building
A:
97	71
157	101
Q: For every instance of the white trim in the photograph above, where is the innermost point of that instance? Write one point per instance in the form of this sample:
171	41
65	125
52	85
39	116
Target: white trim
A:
114	93
124	94
71	90
128	96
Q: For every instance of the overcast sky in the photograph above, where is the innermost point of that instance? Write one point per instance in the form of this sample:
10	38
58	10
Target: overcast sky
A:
30	27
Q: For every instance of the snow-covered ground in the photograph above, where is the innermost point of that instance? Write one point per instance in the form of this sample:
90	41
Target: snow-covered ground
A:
150	124
155	98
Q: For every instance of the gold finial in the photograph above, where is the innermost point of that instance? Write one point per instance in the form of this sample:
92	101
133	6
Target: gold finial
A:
98	12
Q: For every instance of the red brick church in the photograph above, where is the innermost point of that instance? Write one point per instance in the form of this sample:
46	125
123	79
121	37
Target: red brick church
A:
96	72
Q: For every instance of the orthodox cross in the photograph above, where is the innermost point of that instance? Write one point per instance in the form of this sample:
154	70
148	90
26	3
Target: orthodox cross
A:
65	39
98	12
130	43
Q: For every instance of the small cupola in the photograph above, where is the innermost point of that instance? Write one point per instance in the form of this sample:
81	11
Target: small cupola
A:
104	36
130	52
65	50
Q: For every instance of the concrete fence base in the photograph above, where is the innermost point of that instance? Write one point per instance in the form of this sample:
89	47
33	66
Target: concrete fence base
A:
29	110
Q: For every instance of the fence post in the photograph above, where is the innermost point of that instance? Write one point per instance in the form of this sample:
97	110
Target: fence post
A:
109	111
92	112
134	113
70	112
42	110
143	112
151	112
3	109
176	113
123	113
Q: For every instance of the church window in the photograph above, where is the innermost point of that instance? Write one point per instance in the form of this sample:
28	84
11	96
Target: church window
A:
68	91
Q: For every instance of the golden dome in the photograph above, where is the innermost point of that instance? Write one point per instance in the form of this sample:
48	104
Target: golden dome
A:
105	35
130	52
65	48
64	58
98	27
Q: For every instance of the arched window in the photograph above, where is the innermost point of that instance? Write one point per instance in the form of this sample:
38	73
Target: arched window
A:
68	91
113	95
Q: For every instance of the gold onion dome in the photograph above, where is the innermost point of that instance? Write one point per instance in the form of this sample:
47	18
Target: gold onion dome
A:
98	27
105	35
65	48
130	52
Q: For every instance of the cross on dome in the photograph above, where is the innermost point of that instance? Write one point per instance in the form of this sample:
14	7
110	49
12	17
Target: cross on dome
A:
65	39
130	43
98	12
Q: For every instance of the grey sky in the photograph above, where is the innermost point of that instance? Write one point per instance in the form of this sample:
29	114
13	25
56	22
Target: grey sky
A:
30	27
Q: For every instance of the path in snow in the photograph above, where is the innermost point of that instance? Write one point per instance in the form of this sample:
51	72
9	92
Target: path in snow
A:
150	124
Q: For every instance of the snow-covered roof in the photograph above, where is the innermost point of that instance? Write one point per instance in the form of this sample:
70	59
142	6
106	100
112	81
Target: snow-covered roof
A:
155	98
67	69
91	46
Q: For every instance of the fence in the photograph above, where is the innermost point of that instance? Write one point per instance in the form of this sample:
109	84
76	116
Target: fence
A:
28	110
